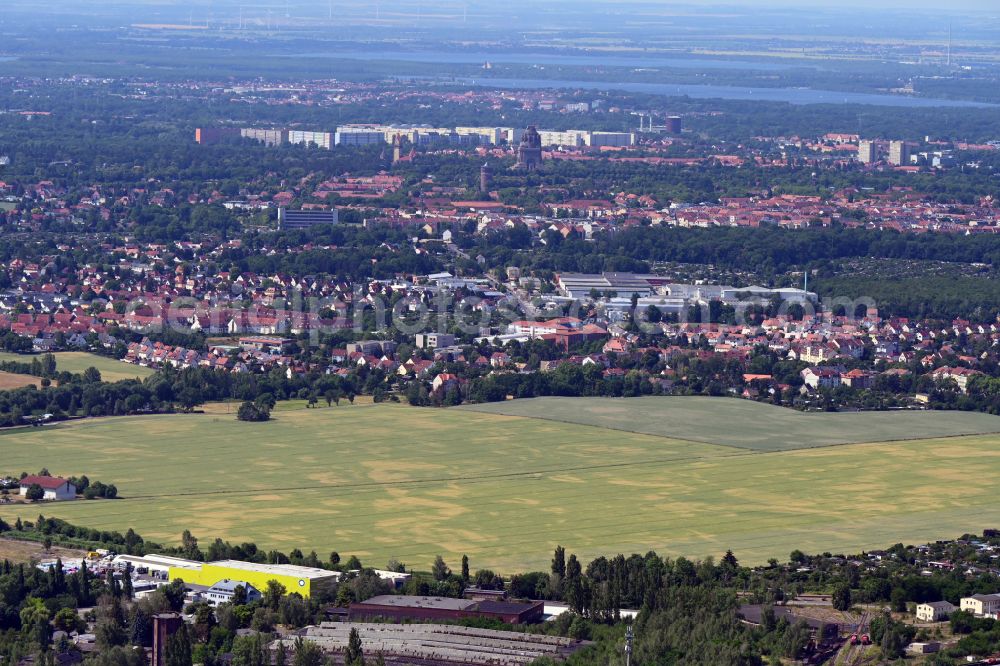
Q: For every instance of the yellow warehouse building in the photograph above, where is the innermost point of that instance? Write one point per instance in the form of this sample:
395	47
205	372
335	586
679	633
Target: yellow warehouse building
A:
304	580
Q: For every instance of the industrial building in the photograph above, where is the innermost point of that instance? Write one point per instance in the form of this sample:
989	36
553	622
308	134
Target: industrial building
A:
154	565
730	295
580	285
624	285
665	304
306	581
303	219
438	644
404	607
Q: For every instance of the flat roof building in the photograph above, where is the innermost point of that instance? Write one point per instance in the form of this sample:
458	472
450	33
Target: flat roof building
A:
579	285
154	563
348	136
269	137
614	139
404	607
318	139
304	580
867	152
208	136
303	219
899	153
438	644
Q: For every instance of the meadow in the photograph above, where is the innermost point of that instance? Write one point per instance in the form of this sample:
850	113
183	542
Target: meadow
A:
743	423
383	481
76	362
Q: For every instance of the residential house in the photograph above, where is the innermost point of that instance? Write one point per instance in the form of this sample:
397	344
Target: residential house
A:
225	590
821	377
934	611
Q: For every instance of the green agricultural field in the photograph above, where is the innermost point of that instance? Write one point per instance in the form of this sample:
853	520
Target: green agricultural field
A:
387	481
743	423
77	362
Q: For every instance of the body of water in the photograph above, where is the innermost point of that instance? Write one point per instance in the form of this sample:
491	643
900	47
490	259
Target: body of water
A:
583	60
790	95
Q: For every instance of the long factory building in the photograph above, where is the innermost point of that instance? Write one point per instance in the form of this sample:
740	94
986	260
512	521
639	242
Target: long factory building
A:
304	580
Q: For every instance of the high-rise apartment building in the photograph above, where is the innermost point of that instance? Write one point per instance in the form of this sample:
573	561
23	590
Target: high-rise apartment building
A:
899	153
867	153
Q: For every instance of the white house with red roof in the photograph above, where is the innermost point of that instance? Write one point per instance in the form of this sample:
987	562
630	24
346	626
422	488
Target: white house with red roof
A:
445	381
53	487
962	376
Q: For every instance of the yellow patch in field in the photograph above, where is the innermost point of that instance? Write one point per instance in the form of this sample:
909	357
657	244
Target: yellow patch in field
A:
566	478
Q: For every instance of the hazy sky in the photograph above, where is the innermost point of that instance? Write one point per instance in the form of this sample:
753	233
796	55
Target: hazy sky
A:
939	5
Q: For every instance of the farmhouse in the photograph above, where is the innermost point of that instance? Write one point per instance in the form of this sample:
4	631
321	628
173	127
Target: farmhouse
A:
54	487
934	611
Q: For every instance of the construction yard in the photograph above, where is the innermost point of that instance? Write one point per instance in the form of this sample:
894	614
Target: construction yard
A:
391	481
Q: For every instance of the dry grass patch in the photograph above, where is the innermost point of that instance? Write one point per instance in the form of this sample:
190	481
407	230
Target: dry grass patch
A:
10	381
30	551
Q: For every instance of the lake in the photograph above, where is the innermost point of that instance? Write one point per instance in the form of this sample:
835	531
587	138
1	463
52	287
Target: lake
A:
588	60
790	95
